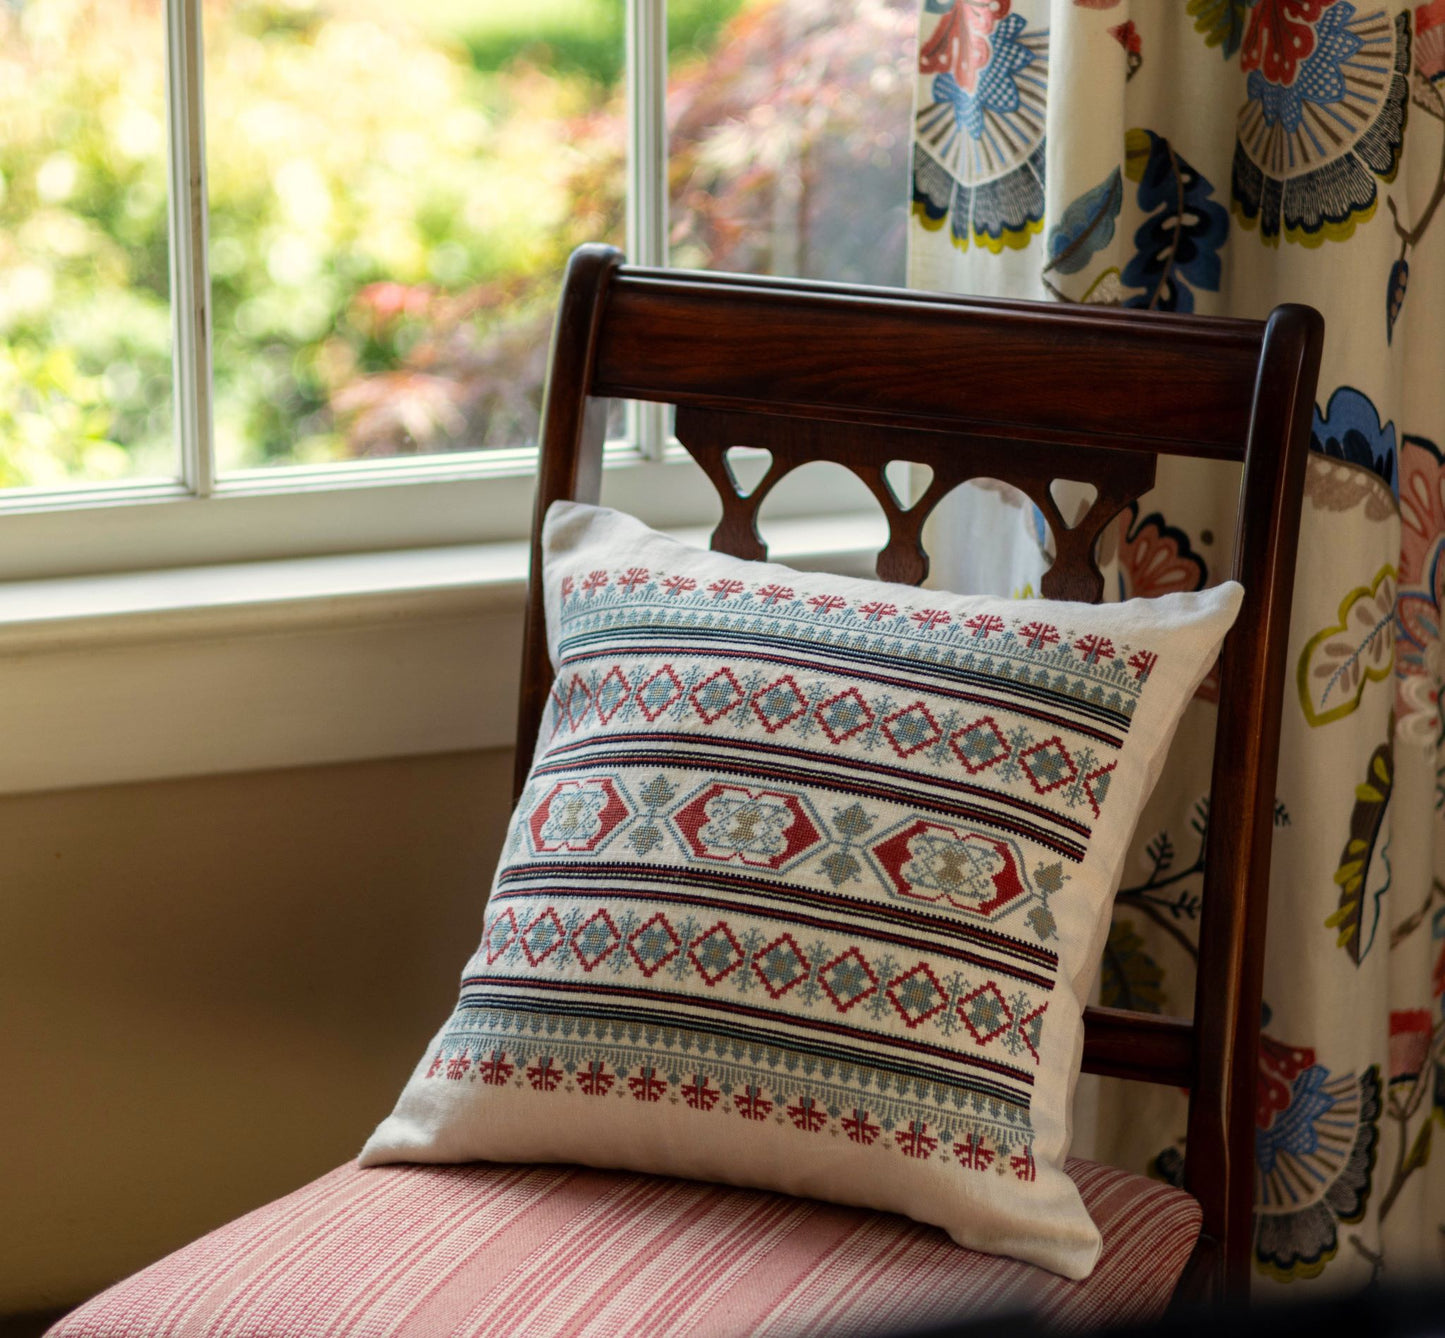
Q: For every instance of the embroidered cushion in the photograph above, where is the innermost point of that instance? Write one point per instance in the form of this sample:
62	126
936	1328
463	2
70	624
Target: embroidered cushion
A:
808	885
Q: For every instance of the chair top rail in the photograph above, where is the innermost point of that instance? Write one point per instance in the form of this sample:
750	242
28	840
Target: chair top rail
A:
959	365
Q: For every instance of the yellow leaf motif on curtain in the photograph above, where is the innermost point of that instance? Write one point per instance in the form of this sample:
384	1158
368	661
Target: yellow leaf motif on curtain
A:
1339	661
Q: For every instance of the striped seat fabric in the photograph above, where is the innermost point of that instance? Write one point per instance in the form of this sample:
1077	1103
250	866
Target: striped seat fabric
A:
485	1249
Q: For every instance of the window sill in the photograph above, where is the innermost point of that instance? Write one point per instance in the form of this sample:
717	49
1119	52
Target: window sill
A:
249	666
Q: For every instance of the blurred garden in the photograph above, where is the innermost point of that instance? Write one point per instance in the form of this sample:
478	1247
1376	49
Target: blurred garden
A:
394	191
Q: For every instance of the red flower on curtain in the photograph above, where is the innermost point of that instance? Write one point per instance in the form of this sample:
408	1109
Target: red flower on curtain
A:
1430	40
1280	37
960	44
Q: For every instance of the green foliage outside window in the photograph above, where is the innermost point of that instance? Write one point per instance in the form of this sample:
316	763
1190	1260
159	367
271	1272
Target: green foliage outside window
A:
394	191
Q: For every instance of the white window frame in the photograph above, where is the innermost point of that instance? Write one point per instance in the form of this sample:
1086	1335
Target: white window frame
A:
401	503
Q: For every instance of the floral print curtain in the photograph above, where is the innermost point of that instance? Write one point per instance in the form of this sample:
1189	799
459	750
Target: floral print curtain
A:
1222	156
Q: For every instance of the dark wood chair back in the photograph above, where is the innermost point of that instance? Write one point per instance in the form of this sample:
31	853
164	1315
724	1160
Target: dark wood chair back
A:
1026	393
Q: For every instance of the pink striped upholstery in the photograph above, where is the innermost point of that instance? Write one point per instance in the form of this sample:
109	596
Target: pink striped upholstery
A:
551	1250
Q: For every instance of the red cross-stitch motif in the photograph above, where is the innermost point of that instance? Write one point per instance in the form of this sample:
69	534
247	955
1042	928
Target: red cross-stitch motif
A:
593	582
751	1104
1142	662
916	1141
494	1070
1037	635
807	1116
679	585
1023	1164
647	1086
984	625
860	1128
595	1080
700	1093
632	578
458	1065
1094	648
826	604
545	1075
972	1154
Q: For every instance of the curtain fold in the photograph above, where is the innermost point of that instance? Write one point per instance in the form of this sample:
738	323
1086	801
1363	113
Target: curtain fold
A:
1221	157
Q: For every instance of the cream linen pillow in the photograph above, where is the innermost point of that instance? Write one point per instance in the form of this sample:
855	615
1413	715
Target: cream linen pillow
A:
809	884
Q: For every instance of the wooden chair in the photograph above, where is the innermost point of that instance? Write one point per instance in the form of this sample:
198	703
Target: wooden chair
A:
1016	391
1026	393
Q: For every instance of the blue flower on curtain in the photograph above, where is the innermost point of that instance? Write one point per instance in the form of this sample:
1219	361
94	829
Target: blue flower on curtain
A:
1350	429
1316	1136
979	147
1325	117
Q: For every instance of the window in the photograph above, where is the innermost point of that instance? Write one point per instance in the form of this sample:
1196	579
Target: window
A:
276	276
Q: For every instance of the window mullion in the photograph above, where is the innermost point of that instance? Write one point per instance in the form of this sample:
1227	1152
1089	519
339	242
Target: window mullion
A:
189	258
647	175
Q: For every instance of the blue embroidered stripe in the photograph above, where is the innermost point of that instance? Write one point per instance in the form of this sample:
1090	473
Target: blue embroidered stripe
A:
889	1061
769	910
582	654
938	927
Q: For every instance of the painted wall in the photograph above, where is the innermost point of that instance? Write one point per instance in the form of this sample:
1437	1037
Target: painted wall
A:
211	990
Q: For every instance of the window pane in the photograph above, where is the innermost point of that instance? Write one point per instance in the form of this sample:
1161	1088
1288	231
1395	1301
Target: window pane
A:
789	137
85	337
395	190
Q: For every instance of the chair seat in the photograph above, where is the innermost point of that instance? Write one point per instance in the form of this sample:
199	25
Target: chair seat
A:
486	1249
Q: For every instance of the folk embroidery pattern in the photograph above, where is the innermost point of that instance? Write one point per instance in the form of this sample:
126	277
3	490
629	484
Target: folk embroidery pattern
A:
786	859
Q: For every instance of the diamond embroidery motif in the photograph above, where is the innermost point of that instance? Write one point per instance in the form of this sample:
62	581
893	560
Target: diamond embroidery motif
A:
843	716
500	934
611	693
658	693
595	940
716	695
653	944
716	953
984	1013
1031	1029
579	702
780	965
779	704
1048	765
1096	786
848	979
917	996
543	937
978	746
911	728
